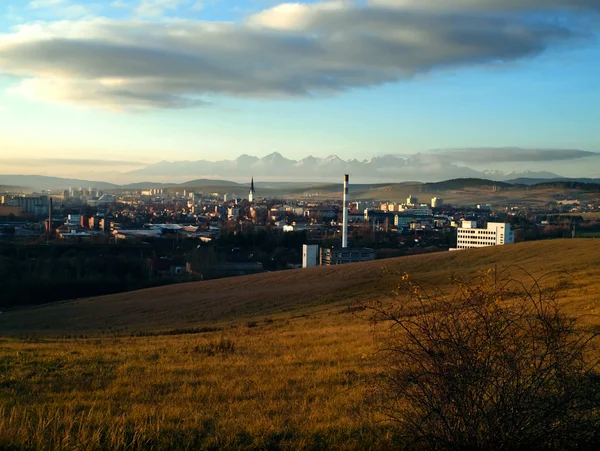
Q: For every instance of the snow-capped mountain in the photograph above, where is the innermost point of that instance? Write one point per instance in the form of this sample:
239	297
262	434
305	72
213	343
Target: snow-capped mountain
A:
386	168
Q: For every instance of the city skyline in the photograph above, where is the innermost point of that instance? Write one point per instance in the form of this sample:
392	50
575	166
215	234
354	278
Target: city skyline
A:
104	86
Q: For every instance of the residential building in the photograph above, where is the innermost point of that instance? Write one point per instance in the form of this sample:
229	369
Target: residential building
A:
340	256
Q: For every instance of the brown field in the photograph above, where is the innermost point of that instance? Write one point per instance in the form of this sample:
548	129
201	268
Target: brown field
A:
288	367
479	195
531	196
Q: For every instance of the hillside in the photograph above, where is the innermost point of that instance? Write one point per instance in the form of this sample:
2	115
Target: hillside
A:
276	361
307	291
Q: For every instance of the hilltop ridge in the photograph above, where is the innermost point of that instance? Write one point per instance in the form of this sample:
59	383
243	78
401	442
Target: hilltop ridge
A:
305	291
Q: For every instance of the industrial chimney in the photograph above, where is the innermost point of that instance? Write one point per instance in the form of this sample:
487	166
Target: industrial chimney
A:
345	214
50	217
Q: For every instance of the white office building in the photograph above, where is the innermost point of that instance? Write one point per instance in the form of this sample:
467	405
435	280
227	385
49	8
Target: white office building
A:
495	234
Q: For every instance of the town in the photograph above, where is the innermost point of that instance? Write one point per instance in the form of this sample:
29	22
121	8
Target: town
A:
167	235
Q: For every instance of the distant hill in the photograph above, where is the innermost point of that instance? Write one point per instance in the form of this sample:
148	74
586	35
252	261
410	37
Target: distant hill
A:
41	182
10	188
273	189
307	291
209	182
534	181
572	185
462	184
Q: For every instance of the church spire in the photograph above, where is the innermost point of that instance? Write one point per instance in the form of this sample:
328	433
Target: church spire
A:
252	192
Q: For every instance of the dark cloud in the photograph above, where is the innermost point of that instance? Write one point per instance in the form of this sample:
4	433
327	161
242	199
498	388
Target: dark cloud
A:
491	5
289	50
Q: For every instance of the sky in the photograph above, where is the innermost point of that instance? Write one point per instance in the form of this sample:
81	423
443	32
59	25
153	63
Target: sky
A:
104	85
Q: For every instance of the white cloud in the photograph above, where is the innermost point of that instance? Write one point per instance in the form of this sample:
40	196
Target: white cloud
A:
155	8
197	6
36	4
119	4
287	50
64	10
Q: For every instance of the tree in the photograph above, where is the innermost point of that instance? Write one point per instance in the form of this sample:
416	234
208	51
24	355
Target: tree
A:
496	366
9	230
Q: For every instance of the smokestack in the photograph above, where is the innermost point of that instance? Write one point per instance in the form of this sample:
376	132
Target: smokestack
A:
50	218
345	214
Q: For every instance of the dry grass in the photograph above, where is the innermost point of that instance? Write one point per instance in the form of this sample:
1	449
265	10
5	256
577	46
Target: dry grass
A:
283	295
289	384
285	365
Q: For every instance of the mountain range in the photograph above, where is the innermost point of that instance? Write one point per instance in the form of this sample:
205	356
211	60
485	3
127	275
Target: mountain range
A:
386	168
274	171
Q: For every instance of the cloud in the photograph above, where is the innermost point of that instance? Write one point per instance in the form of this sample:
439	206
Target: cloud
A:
62	8
37	4
289	50
477	156
155	8
488	5
197	5
104	93
69	162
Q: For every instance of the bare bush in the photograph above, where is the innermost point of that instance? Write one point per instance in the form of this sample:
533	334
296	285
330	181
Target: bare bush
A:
224	346
497	366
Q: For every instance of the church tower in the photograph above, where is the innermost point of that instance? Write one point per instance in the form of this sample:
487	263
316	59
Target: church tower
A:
252	192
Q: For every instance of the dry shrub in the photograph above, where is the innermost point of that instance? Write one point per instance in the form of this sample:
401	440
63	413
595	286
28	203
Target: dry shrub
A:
497	366
224	346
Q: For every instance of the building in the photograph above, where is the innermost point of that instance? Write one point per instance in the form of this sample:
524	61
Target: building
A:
340	255
410	200
495	234
310	255
371	215
252	193
436	202
415	209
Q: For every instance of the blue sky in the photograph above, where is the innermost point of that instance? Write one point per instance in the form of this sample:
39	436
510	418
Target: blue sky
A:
319	80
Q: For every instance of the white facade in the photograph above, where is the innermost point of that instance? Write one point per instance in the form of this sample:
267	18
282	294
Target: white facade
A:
495	234
436	202
410	200
310	255
252	193
345	212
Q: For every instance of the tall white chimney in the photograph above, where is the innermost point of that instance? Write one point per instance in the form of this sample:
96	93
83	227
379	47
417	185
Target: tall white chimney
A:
345	216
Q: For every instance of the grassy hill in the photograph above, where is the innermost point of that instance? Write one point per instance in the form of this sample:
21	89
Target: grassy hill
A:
271	361
307	291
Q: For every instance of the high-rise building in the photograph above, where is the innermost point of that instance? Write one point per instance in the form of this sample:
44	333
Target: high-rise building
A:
252	193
